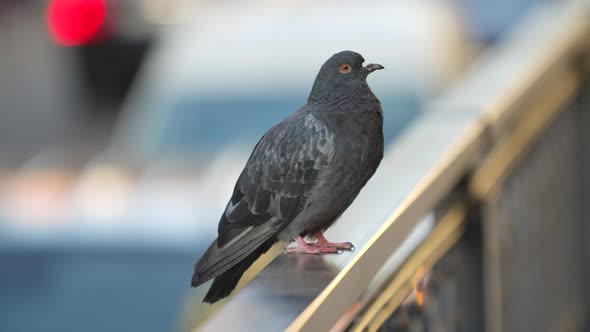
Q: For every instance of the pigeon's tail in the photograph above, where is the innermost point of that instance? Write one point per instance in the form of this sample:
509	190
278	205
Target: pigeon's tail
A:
226	260
231	254
225	283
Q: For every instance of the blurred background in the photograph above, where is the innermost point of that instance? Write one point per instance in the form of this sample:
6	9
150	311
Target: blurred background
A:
124	124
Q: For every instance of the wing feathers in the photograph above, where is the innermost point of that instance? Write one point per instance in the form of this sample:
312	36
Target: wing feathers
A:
272	189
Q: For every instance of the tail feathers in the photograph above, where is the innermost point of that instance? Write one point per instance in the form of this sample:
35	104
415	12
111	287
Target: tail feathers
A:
225	283
218	260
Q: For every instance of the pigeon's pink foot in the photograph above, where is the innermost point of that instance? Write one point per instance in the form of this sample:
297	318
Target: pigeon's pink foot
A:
324	243
310	248
323	246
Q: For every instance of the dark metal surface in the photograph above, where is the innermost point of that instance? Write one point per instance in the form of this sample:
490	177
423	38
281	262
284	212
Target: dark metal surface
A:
453	300
535	221
583	121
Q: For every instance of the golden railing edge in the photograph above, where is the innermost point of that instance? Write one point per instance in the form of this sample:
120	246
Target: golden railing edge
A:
445	234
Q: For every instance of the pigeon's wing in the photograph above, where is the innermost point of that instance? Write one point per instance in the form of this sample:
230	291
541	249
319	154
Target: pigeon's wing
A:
272	189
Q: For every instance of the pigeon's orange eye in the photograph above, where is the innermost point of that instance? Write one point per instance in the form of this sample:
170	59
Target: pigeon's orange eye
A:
345	68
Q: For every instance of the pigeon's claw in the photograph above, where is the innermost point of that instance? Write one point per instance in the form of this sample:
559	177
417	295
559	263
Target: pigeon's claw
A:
312	248
338	245
309	250
323	242
323	246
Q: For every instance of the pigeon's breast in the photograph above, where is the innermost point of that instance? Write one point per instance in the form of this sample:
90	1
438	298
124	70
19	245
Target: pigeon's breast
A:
358	150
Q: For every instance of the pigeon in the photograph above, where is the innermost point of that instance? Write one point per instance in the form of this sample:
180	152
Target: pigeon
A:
303	173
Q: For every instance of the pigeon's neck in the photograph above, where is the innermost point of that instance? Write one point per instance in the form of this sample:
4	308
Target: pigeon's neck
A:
323	92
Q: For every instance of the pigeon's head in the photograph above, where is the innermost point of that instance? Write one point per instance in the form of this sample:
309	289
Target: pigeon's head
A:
344	69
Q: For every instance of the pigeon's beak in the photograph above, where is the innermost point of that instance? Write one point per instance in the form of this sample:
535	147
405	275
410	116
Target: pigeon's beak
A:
371	67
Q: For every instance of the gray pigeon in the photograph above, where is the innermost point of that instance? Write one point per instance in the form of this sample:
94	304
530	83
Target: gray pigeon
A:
303	173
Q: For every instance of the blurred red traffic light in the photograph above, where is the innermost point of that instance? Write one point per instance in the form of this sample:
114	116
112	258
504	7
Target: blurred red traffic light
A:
76	22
